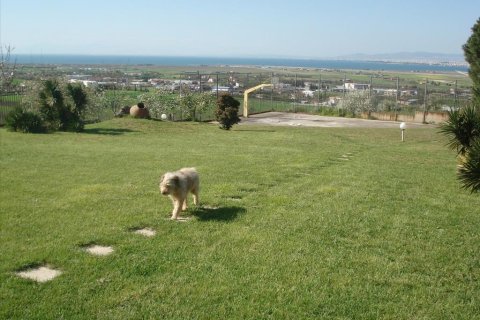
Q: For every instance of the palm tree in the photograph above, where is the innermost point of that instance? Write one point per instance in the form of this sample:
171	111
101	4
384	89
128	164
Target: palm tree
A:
51	103
463	130
62	108
469	170
463	126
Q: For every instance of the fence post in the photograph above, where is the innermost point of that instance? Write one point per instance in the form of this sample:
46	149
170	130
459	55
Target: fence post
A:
425	102
396	99
271	94
295	95
319	90
217	85
371	86
200	81
456	96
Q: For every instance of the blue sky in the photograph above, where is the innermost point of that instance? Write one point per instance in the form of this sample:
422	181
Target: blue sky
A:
247	28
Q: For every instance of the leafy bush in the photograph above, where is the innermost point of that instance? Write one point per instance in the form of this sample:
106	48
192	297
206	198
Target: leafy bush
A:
227	111
24	121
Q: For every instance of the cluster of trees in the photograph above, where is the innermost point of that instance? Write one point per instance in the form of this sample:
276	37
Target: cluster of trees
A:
57	106
463	126
190	106
193	105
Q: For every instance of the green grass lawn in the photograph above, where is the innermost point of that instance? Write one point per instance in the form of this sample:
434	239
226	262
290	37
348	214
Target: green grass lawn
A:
295	223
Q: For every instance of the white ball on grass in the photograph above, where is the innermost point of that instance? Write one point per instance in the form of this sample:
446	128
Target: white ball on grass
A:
163	116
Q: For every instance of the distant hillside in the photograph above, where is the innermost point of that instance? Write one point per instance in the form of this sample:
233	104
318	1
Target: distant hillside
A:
411	57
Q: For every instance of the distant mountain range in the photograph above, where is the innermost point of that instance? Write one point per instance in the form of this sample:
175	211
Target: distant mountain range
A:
410	57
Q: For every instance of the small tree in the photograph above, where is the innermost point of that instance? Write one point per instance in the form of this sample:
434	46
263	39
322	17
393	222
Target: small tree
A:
7	68
205	102
187	106
356	102
227	111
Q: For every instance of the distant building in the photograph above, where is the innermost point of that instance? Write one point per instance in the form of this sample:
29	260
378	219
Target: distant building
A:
351	86
308	93
408	93
221	89
89	83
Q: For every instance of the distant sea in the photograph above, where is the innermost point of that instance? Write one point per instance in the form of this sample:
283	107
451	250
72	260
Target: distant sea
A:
211	61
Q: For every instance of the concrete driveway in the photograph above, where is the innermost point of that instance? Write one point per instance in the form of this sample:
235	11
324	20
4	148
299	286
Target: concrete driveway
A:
307	120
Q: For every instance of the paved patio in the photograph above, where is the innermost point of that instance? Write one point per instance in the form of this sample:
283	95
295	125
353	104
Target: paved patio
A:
307	120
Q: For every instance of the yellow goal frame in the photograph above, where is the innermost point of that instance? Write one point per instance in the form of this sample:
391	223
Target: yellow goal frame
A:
245	96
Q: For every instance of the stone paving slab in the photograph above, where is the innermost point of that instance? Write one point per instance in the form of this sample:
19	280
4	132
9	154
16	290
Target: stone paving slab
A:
99	250
39	274
147	232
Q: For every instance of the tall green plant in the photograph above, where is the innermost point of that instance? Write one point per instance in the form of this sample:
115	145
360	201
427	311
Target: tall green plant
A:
471	50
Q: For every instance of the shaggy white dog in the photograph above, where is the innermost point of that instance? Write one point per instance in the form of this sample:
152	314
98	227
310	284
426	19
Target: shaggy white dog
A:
177	185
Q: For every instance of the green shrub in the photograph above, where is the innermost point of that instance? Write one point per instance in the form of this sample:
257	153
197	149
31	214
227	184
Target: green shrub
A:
24	121
227	111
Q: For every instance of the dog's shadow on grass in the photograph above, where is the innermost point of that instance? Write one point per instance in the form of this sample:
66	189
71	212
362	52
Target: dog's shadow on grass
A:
220	214
107	131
